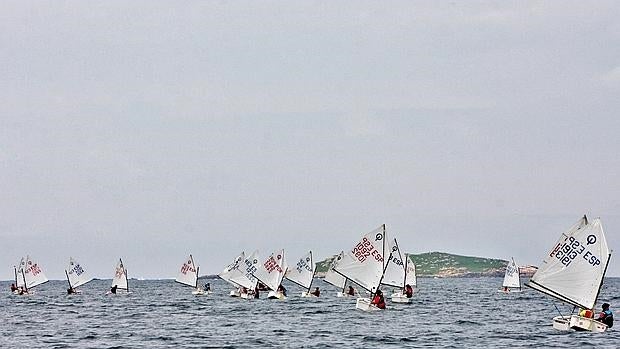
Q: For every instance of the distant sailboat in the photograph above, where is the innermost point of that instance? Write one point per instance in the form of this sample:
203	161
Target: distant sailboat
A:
512	278
271	272
188	275
32	274
403	277
76	275
335	279
120	277
303	273
19	280
573	272
364	264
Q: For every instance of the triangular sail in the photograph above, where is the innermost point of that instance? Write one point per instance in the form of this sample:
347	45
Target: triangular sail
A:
364	263
120	276
333	278
573	270
248	268
511	278
395	271
33	274
410	277
234	273
303	271
76	275
271	271
188	273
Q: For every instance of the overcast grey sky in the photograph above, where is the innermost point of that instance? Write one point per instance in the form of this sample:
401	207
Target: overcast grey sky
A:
149	130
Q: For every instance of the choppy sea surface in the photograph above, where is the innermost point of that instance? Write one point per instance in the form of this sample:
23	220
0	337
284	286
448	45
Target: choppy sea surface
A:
448	313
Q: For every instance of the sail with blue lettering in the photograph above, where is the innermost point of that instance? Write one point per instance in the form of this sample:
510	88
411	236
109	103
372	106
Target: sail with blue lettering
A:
573	269
302	272
512	278
76	275
234	273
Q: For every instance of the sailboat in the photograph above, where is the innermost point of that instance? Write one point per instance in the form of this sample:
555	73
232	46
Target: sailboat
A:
512	278
409	279
335	279
120	277
573	272
76	275
303	273
236	273
271	272
364	264
32	274
19	280
188	275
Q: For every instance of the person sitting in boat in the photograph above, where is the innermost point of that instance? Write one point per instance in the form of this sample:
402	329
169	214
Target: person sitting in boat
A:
113	289
23	290
71	290
378	300
207	287
256	292
506	289
351	291
13	288
316	292
606	316
408	291
282	290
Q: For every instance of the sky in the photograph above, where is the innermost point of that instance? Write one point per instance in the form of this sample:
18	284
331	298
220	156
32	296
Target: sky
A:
148	130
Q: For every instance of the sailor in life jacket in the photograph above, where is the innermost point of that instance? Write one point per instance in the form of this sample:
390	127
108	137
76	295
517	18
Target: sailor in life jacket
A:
378	300
408	291
606	316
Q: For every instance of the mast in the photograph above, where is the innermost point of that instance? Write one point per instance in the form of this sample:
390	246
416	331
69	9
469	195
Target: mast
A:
313	272
195	267
24	277
69	281
405	278
518	272
384	267
15	270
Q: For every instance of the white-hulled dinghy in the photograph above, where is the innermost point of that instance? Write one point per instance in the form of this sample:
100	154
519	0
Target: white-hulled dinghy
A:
512	278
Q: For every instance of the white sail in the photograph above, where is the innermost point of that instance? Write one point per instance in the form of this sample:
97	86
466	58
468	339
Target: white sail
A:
76	275
511	278
248	268
395	271
120	276
363	264
19	273
410	277
234	273
573	270
332	277
271	271
188	273
33	274
303	271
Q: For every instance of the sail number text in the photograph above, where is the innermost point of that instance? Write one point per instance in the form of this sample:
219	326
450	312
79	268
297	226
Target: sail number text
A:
570	249
365	249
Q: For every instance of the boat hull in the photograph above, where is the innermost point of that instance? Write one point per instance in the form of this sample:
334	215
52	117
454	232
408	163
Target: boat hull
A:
514	290
307	295
364	304
399	297
578	323
276	295
343	295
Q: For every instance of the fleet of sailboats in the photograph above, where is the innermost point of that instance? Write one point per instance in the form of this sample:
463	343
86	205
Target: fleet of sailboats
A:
573	272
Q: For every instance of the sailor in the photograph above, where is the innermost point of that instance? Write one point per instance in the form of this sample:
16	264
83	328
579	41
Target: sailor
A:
378	300
408	291
13	288
207	287
316	292
351	291
113	289
282	290
606	316
70	290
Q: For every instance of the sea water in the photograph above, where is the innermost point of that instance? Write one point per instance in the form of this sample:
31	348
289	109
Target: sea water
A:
448	313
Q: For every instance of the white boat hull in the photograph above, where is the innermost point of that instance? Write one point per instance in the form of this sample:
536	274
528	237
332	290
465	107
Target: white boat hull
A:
307	295
343	295
276	295
399	297
514	290
200	292
578	323
363	304
235	293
